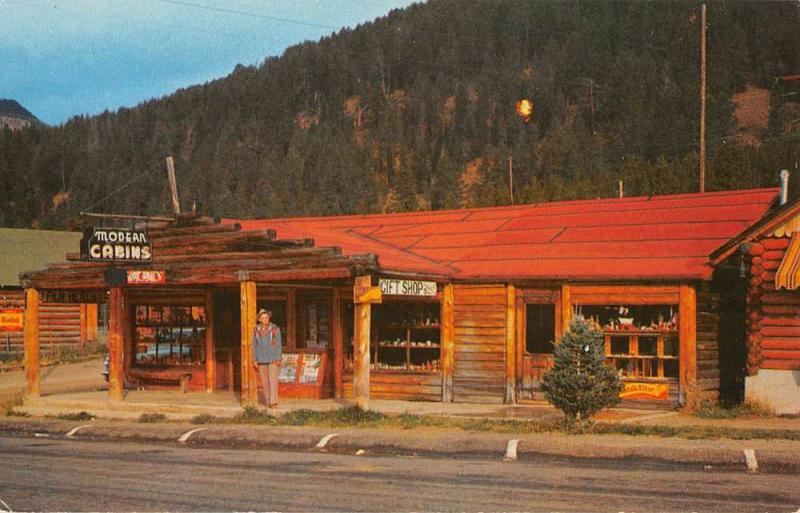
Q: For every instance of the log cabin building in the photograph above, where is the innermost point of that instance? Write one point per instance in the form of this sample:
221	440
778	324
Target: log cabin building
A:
456	305
61	324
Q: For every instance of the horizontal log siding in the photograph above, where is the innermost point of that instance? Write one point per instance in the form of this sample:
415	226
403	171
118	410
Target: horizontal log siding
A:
59	324
773	315
406	386
480	343
707	342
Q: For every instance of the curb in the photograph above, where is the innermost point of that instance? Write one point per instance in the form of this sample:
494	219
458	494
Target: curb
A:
709	455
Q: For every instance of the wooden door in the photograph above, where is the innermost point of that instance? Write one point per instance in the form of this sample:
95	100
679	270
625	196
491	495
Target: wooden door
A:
479	363
227	342
539	327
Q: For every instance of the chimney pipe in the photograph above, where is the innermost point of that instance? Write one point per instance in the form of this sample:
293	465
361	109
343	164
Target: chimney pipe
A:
784	186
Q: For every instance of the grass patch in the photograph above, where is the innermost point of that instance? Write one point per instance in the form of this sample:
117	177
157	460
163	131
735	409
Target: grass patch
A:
746	409
253	415
13	413
82	415
152	418
205	418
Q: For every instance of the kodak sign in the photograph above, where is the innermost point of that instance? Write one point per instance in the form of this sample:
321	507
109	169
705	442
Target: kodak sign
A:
11	319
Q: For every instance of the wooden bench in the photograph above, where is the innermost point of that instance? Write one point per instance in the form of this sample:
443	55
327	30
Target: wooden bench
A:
171	377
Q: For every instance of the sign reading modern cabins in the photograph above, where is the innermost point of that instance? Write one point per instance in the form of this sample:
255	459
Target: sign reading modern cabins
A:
407	287
116	245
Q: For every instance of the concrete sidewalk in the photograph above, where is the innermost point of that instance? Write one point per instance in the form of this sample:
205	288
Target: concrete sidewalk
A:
55	379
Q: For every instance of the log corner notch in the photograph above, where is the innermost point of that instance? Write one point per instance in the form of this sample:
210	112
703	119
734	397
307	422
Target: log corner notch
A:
32	360
363	299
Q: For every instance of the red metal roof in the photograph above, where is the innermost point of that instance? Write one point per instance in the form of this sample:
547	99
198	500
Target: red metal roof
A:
650	237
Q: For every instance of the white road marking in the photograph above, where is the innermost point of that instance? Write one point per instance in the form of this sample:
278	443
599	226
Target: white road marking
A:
324	440
184	437
511	450
41	435
72	431
360	452
750	459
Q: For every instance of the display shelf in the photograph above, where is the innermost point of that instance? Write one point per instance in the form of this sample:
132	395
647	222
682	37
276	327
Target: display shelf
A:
406	338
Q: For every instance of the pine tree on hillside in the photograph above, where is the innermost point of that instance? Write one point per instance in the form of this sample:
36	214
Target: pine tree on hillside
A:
580	383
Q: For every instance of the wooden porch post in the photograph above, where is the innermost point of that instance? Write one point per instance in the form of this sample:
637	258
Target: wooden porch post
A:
511	343
566	308
32	374
84	327
211	354
91	322
361	334
448	342
116	337
291	319
687	332
248	315
338	342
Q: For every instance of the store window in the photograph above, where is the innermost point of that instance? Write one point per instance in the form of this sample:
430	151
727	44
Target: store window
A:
169	335
641	341
540	328
406	337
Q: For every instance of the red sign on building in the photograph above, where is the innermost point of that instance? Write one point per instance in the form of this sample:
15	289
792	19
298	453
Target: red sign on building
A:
146	277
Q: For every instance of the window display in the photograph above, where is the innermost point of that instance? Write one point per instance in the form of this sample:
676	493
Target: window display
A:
169	335
641	341
406	337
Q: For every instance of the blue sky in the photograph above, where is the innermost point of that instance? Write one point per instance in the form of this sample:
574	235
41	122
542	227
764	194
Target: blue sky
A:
61	58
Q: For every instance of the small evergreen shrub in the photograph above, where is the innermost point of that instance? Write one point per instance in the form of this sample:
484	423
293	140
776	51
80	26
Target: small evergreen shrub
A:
152	418
580	383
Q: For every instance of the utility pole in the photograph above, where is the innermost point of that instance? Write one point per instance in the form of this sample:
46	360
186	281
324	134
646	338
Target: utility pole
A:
621	189
511	178
703	100
173	186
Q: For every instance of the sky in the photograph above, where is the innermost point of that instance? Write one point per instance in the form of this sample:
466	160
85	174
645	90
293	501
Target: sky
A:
62	58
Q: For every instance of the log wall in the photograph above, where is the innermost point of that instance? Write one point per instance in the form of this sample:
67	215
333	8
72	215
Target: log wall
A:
59	324
405	386
479	366
773	331
708	303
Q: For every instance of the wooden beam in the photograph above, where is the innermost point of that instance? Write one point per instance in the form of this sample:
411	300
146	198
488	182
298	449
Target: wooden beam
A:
211	353
32	361
566	307
337	336
511	342
361	346
248	324
116	336
448	341
687	332
521	328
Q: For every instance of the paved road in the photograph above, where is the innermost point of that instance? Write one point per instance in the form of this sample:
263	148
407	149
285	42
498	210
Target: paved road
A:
44	474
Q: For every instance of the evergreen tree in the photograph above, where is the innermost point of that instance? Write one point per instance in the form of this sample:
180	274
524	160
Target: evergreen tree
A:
580	383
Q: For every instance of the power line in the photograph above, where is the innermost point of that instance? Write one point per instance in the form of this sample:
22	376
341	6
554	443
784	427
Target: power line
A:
248	14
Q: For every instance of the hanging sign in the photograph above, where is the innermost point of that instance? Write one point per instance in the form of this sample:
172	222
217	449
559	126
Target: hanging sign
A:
74	296
116	245
407	287
146	277
658	391
11	319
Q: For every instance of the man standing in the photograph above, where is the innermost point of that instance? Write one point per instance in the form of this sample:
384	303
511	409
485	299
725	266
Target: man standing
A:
267	349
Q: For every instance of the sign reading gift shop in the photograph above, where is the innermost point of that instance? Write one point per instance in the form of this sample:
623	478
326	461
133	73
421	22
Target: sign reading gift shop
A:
407	287
11	319
116	245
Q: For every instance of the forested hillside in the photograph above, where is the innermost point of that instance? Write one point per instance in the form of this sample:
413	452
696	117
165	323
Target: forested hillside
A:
416	111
